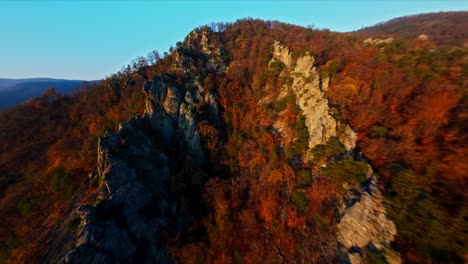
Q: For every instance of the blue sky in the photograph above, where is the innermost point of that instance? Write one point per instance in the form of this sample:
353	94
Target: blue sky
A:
90	40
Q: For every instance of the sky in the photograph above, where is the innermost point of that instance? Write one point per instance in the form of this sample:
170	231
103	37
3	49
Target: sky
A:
91	40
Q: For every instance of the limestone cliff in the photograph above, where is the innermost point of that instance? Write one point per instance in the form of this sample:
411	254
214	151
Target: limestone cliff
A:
309	88
364	222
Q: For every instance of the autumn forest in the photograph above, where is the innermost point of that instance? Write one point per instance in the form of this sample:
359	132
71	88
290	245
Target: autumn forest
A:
262	193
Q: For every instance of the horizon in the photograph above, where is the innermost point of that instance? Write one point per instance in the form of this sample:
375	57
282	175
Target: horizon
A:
92	40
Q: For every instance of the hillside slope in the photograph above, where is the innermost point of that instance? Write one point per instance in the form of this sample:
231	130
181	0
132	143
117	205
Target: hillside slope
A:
444	28
249	142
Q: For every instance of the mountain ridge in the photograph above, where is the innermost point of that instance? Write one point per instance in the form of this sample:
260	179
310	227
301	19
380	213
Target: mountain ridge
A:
15	91
246	141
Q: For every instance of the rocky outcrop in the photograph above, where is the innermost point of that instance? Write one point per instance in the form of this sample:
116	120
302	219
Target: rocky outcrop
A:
135	206
309	88
347	137
123	225
364	224
170	113
377	41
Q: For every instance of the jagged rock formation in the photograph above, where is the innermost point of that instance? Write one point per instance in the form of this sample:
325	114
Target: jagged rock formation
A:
364	223
246	139
135	207
124	225
309	88
169	112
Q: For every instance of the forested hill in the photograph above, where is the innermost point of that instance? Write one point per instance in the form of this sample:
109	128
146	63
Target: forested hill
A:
249	142
16	91
444	28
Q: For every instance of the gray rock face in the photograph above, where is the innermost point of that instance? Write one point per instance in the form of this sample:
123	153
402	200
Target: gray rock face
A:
188	125
365	223
169	113
172	109
131	174
135	205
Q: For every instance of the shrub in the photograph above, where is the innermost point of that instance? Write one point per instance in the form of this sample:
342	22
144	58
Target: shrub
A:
3	255
301	143
237	257
330	69
378	131
274	159
335	113
62	182
74	223
429	231
25	207
296	54
374	257
349	170
277	67
334	147
299	201
318	151
287	80
281	104
12	242
305	178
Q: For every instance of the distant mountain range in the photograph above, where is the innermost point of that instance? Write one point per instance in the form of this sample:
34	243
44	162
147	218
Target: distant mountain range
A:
16	91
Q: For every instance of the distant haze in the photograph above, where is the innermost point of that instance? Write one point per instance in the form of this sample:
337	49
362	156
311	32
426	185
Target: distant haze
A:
16	91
